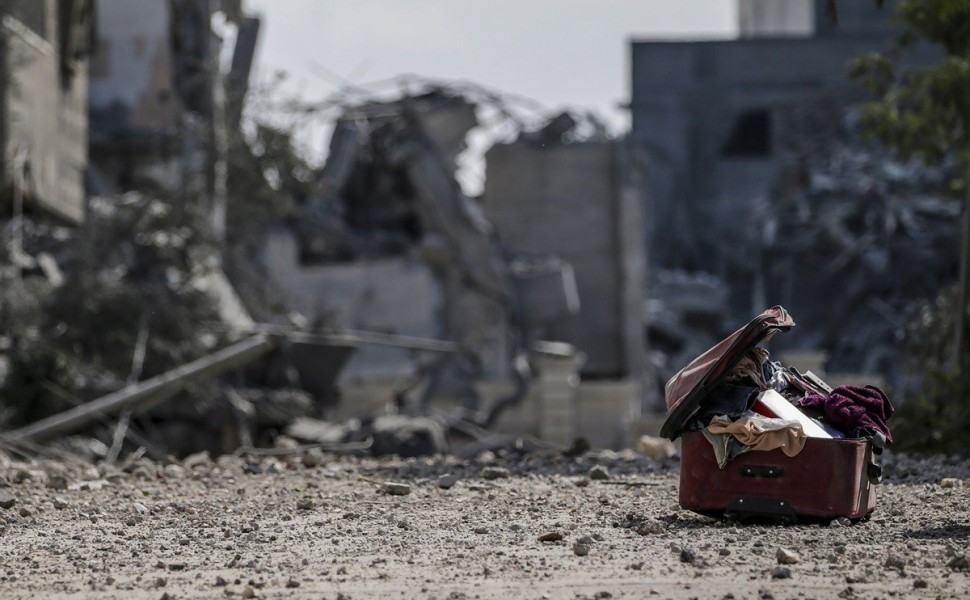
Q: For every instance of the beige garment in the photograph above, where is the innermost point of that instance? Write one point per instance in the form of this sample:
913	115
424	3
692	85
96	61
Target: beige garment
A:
762	433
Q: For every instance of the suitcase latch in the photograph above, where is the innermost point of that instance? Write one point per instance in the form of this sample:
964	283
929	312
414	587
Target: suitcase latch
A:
766	471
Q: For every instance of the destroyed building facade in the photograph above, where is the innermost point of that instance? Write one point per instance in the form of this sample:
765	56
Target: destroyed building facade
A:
162	102
705	112
43	111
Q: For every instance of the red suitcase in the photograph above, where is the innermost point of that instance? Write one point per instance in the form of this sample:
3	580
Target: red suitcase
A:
829	478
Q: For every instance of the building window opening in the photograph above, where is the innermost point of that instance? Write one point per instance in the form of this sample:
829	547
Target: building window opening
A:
750	136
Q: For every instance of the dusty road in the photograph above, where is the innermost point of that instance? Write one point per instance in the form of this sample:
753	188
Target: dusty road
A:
283	529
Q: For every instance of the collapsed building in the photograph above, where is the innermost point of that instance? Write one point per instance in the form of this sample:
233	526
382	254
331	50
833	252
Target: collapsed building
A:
719	120
551	252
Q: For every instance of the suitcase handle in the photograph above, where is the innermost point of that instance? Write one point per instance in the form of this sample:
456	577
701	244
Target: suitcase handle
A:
766	471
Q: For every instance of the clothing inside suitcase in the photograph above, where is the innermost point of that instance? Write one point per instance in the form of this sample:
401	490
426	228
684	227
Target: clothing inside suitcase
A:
760	438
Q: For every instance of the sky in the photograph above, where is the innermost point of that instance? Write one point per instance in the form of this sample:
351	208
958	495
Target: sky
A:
561	53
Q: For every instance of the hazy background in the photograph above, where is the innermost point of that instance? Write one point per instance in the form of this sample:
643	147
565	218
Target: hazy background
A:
558	52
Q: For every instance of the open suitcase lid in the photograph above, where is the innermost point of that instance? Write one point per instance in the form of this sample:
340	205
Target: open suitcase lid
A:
687	388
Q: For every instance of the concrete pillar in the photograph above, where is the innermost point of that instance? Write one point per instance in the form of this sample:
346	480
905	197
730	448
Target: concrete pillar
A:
558	365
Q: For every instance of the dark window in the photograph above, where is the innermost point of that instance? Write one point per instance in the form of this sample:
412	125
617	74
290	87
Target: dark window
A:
750	136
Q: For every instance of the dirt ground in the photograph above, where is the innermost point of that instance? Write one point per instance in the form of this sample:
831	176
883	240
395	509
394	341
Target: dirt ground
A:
317	526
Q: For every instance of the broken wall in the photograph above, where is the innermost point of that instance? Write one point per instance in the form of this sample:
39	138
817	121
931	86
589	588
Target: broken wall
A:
397	295
573	201
45	95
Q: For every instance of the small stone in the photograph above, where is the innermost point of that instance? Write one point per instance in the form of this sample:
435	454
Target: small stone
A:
495	473
551	536
651	528
248	592
781	573
724	552
580	549
57	482
786	557
581	482
920	584
687	556
598	473
199	459
25	512
220	582
446	482
481	530
160	582
959	563
951	482
292	582
60	503
304	504
840	522
7	501
141	508
396	489
895	562
309	460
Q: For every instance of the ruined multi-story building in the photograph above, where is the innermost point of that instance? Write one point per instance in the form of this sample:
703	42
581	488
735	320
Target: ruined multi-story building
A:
162	101
706	112
43	103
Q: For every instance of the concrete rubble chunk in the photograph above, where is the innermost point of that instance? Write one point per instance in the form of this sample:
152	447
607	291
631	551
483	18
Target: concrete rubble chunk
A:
656	448
551	536
492	473
786	557
396	489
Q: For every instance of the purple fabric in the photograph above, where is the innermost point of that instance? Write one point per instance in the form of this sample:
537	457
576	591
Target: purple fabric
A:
850	407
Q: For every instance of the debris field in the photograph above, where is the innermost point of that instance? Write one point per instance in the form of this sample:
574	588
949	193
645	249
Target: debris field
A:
502	525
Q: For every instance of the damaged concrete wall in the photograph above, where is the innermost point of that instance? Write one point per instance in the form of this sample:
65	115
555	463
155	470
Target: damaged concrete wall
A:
397	295
45	103
571	200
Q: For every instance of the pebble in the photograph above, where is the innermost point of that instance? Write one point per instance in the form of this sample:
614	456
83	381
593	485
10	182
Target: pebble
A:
292	582
895	562
396	489
920	584
781	573
687	556
446	482
141	508
7	501
959	563
580	549
786	557
651	528
57	482
60	503
248	592
495	473
599	473
951	482
551	536
304	504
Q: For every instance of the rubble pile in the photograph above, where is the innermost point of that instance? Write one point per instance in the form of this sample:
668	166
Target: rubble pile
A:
685	314
851	238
